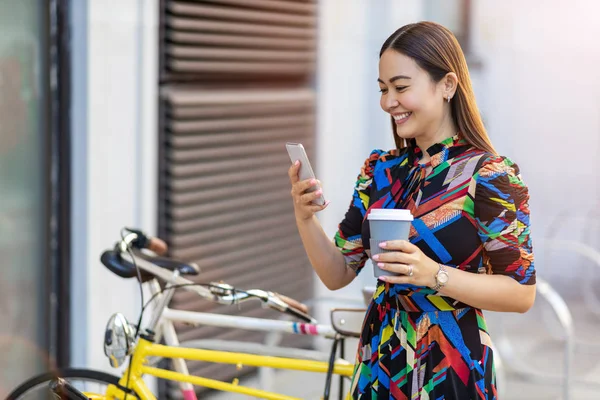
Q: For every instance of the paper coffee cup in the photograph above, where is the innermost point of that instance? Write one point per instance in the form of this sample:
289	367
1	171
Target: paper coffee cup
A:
387	224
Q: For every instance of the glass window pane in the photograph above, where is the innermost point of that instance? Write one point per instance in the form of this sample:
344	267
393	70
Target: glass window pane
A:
23	199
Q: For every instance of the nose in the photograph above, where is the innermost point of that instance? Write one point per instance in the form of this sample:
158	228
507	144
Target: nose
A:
391	103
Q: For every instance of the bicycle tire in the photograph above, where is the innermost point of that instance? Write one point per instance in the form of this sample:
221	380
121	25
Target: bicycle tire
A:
35	383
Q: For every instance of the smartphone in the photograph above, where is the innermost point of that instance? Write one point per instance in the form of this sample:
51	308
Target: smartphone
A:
297	153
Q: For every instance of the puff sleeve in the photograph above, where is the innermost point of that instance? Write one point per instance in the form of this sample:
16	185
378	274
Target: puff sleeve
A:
501	211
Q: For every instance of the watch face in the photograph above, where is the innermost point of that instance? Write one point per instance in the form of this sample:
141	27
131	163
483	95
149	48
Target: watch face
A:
442	277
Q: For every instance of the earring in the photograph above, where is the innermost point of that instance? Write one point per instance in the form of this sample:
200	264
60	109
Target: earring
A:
449	99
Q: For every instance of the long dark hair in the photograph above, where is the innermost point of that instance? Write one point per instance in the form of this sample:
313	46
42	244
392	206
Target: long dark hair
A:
436	50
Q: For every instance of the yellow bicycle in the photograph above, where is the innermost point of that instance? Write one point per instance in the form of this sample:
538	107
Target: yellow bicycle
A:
141	345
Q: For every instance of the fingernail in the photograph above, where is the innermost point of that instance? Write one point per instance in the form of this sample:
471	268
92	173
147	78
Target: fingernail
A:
326	203
312	182
375	257
319	192
383	278
296	162
383	244
381	265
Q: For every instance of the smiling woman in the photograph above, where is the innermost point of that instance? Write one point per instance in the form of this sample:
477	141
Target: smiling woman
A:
469	247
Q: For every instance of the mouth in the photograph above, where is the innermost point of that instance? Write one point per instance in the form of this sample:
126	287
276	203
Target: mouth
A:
401	118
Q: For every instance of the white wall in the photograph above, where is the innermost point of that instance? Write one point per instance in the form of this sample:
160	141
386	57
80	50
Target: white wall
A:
114	157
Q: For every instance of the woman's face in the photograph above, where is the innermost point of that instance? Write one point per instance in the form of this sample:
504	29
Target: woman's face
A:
409	94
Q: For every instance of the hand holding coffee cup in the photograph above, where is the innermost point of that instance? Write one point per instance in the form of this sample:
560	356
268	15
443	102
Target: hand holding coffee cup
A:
394	258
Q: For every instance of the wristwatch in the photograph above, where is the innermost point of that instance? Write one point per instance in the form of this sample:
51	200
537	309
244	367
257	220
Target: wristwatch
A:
441	278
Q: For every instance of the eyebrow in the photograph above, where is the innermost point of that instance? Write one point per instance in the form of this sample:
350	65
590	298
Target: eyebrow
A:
394	78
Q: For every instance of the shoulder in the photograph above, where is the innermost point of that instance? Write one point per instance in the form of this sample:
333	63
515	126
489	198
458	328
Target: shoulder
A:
499	177
493	165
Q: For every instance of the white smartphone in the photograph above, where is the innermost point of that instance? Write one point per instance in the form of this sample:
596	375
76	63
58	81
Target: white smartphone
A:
297	153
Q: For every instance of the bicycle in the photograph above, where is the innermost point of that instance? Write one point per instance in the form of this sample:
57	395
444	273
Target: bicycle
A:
128	259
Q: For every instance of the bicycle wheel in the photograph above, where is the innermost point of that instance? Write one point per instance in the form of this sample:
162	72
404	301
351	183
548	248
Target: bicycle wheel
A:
85	380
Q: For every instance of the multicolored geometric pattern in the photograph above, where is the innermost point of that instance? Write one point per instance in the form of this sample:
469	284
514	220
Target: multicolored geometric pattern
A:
471	212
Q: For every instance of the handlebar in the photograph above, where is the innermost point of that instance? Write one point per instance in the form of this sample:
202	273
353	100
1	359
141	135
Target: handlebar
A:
139	240
227	294
121	259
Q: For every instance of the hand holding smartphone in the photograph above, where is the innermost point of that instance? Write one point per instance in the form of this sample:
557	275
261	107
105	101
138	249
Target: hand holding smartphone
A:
297	153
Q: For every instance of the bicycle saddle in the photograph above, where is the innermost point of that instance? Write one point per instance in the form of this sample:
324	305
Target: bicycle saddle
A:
118	265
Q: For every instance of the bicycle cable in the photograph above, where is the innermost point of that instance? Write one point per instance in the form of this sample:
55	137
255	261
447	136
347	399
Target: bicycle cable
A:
137	329
207	285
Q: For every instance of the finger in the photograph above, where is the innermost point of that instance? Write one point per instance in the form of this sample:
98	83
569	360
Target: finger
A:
402	269
397	257
302	186
309	197
306	184
397	280
316	209
402	245
293	172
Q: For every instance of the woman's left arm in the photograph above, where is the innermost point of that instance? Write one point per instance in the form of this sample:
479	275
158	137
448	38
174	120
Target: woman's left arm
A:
499	210
488	292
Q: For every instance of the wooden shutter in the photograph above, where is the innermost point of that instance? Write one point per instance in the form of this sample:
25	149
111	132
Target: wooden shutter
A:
236	85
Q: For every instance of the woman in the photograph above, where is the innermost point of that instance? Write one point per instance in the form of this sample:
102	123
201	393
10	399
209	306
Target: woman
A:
424	335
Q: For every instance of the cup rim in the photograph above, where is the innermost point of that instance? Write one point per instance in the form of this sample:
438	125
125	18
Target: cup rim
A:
394	214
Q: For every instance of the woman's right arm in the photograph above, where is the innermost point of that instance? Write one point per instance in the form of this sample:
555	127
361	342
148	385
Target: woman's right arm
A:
325	258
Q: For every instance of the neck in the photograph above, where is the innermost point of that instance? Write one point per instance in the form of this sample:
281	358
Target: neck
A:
446	130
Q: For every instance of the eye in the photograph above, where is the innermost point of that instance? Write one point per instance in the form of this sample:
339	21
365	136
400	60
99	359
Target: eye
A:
400	88
382	90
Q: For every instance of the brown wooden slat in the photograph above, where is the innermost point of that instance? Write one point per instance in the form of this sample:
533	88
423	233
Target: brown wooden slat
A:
178	96
248	123
245	274
237	41
239	28
235	138
231	244
289	6
237	54
194	183
233	152
227	166
211	265
249	67
221	233
216	194
249	202
188	225
206	244
213	12
237	110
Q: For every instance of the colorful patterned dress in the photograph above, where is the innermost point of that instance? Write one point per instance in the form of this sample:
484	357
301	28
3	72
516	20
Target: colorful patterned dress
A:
471	212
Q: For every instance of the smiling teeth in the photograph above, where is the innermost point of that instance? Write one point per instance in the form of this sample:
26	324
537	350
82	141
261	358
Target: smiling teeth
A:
401	116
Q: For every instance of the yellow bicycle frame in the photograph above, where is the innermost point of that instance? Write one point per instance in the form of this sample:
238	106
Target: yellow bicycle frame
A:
145	349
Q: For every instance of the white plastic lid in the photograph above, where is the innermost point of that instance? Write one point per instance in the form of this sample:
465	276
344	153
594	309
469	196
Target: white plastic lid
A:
394	214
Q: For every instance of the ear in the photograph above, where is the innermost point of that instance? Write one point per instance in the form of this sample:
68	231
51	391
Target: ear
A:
449	85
